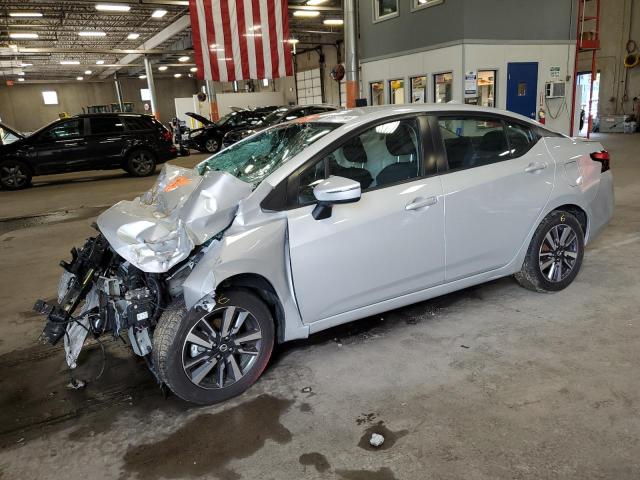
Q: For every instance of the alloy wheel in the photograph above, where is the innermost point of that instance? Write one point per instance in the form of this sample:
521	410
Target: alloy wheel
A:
142	163
221	347
211	145
558	253
12	175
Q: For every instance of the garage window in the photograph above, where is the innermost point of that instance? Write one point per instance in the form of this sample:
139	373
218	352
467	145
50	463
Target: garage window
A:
420	4
377	93
419	89
443	87
106	125
396	92
384	9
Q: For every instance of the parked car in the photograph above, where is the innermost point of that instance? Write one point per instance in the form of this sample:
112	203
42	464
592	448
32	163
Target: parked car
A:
9	135
209	137
280	115
314	223
135	143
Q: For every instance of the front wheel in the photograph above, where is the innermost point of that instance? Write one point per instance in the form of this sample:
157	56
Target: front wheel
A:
206	357
212	145
14	175
555	254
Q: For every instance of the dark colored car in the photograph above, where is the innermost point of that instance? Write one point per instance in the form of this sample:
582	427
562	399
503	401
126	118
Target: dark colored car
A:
209	138
135	143
280	115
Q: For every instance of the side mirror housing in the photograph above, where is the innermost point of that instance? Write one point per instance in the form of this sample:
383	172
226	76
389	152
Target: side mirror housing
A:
332	191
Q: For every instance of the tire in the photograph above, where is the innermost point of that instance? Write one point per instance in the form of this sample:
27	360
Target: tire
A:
548	270
212	145
141	163
15	175
192	370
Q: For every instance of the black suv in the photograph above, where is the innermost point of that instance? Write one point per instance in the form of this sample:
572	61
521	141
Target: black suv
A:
136	143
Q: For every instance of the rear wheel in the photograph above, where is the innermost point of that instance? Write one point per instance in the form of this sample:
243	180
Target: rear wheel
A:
212	145
206	357
555	254
141	163
14	175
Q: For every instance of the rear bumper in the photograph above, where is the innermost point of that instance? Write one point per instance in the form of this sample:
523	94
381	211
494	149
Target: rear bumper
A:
601	207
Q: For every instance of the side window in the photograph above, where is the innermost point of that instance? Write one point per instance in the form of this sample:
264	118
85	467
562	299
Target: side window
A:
473	141
138	123
380	156
64	130
106	125
521	139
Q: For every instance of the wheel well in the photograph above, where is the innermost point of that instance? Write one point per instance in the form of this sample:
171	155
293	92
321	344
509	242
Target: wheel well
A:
265	291
577	212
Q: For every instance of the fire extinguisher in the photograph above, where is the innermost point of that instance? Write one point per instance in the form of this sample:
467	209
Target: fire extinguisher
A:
542	116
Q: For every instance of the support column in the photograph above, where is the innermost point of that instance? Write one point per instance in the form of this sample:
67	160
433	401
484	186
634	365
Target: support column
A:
351	53
213	105
118	92
152	88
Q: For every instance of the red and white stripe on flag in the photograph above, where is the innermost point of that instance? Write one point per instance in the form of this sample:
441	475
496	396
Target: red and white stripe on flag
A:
241	39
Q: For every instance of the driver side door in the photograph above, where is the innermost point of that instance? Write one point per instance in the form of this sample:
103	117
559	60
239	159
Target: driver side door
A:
388	244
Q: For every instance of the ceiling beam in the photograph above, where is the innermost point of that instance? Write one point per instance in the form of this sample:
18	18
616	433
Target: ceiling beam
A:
117	51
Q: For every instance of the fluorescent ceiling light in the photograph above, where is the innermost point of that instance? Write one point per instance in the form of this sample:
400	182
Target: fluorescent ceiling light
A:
88	72
21	79
333	21
26	65
20	73
158	13
25	36
162	68
92	34
133	36
177	75
106	7
316	2
69	62
293	40
79	78
183	59
142	77
306	13
25	14
193	69
99	62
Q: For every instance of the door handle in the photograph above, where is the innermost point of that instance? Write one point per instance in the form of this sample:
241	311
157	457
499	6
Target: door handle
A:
419	203
535	167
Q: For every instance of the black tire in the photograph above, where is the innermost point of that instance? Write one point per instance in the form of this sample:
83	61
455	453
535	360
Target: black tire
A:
212	145
15	175
171	349
141	163
537	273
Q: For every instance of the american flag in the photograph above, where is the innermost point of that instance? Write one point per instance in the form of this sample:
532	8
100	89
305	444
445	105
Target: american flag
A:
241	39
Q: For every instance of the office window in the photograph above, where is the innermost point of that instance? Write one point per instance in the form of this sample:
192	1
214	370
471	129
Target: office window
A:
487	88
419	89
396	92
384	9
420	4
145	94
377	93
50	98
443	87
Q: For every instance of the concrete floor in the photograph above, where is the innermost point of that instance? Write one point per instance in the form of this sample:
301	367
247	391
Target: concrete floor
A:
491	382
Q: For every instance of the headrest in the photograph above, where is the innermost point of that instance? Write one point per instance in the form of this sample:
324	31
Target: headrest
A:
354	151
400	142
493	141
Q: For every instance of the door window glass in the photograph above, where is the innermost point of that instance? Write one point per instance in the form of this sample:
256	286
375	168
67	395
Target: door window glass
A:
396	89
377	93
64	130
419	89
487	88
521	139
473	142
138	123
443	87
384	9
106	125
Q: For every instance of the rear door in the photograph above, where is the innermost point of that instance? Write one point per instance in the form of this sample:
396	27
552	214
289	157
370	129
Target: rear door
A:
62	146
107	140
500	178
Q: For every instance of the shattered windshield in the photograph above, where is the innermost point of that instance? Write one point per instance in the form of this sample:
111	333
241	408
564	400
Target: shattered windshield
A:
254	159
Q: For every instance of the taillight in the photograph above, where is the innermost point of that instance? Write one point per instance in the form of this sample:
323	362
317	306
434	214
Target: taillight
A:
166	134
603	158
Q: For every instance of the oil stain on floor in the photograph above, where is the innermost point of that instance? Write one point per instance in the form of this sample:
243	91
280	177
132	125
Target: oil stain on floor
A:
315	460
206	445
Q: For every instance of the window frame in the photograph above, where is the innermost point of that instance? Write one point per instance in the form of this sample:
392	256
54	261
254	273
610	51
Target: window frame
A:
415	6
495	71
390	94
384	94
426	87
381	18
435	84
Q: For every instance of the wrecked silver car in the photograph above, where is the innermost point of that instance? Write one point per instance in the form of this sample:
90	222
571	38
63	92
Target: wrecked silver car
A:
322	221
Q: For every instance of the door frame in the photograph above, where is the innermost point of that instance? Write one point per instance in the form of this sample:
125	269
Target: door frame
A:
535	95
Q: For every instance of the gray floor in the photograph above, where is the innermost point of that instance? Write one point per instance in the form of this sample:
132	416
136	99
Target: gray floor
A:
491	382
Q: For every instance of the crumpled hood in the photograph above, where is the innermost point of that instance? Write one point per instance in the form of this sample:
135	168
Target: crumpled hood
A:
183	209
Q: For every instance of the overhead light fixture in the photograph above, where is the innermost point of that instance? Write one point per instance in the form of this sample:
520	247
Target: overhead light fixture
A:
183	59
293	41
177	75
25	14
24	36
133	36
306	13
21	79
333	21
109	7
20	73
26	65
80	78
69	62
158	13
92	34
316	2
184	3
162	68
193	69
88	72
99	62
142	77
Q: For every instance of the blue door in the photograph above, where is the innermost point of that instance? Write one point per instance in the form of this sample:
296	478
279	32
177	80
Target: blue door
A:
522	88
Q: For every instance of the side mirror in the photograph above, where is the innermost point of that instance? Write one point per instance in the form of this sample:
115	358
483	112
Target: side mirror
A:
332	191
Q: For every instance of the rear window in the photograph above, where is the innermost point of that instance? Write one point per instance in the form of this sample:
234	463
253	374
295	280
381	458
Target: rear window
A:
138	123
106	125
